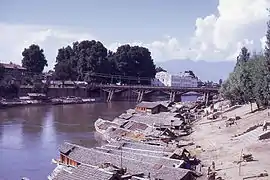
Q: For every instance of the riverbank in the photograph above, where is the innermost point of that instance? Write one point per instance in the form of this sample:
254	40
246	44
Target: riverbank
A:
54	101
226	146
223	143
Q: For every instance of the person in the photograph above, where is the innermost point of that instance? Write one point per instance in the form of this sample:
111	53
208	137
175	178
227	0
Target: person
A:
213	166
264	126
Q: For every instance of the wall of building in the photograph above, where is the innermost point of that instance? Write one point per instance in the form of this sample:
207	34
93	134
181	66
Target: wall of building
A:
177	80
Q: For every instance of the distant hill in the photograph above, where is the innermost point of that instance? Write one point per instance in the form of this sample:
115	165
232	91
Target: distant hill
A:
212	71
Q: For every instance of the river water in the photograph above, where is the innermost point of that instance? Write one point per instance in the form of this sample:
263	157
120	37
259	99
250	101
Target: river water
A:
30	136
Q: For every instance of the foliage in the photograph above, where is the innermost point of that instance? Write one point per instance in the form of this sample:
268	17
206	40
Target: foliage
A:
8	87
85	59
250	80
33	59
2	72
160	69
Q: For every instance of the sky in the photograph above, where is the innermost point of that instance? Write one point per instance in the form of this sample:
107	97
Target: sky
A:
210	30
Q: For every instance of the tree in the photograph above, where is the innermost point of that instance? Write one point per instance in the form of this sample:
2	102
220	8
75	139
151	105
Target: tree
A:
244	69
160	69
33	59
135	61
220	82
267	60
2	72
66	64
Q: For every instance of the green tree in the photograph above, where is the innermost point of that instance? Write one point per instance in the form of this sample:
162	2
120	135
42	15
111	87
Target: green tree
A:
135	61
2	71
267	61
259	71
244	70
34	59
66	64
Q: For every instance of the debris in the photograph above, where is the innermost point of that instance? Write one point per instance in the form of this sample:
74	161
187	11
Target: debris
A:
260	175
247	157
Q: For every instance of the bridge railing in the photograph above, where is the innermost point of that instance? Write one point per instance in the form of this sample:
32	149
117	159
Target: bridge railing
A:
154	87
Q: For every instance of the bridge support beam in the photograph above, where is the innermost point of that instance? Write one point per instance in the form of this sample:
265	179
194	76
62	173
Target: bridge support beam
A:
140	96
172	96
110	95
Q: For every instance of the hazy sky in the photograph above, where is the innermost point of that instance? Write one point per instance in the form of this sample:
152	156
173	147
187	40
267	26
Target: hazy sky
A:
211	30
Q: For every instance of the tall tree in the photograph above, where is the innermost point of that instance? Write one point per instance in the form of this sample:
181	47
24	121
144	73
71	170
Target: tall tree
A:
2	71
91	58
135	61
66	64
244	69
34	59
267	60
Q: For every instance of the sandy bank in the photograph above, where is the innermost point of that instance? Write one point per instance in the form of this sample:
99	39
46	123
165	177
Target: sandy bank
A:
218	144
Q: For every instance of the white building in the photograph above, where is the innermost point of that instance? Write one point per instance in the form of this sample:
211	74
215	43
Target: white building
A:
176	80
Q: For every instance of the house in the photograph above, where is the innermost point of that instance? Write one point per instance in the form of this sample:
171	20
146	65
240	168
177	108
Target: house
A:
151	107
14	70
118	161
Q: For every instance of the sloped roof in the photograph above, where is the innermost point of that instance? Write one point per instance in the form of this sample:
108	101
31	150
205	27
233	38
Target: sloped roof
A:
149	105
83	172
134	164
12	66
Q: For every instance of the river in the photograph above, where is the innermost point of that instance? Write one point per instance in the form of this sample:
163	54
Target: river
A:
30	136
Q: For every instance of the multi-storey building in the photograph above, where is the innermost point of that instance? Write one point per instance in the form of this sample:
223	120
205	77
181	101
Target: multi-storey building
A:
175	80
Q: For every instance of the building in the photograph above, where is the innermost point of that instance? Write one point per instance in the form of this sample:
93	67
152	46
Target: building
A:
150	107
14	70
185	79
119	161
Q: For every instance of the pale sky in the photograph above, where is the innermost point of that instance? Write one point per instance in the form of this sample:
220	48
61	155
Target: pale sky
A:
210	30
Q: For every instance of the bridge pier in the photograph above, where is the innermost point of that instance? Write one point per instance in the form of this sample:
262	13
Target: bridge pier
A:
172	96
140	96
110	95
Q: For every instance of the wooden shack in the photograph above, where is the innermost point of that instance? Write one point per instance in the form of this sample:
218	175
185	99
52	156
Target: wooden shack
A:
151	107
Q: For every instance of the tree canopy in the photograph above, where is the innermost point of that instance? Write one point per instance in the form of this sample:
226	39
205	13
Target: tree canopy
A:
250	80
86	58
34	59
2	72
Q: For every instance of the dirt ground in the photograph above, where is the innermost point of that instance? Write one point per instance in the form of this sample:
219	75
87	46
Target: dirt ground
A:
217	143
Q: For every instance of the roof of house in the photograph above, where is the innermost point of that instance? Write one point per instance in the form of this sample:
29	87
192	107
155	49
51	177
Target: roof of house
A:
158	168
64	148
125	116
12	66
82	172
149	105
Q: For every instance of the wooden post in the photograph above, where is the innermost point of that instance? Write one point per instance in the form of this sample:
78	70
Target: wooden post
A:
240	160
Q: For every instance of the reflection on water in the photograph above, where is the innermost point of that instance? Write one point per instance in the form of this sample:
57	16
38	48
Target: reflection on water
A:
30	136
